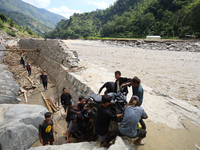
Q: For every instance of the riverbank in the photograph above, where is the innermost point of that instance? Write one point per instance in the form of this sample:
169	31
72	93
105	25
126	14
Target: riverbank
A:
170	124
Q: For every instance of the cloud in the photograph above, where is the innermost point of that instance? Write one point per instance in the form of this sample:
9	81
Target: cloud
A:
64	11
103	5
38	3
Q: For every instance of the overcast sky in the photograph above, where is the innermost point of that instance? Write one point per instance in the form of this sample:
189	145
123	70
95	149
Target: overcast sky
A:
66	8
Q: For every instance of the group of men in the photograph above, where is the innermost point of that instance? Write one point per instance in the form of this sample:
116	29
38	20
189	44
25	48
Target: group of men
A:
81	123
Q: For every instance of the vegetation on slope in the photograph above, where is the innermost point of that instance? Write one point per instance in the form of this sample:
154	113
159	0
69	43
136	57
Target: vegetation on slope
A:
134	19
43	16
9	26
25	21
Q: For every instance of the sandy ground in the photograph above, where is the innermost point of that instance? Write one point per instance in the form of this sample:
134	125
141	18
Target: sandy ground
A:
174	73
172	123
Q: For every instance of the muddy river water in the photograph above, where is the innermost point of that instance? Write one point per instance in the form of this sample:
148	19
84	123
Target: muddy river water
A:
174	73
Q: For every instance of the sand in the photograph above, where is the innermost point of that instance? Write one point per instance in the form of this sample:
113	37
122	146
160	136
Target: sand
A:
173	122
174	73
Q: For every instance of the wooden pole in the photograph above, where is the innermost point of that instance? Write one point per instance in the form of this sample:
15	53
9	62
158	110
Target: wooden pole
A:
52	103
57	103
46	102
25	50
57	133
25	98
29	80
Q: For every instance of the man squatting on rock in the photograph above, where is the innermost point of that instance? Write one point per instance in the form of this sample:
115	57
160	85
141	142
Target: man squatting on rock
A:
46	130
138	91
129	125
44	80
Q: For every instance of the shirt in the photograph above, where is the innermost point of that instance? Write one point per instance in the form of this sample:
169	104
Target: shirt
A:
117	86
65	98
69	112
138	92
103	120
129	124
44	78
46	130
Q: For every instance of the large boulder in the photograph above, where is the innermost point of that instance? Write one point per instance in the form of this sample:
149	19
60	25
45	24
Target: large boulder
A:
9	88
19	125
119	144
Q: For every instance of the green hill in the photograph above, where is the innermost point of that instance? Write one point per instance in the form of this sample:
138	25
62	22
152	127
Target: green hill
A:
9	26
25	21
134	19
41	15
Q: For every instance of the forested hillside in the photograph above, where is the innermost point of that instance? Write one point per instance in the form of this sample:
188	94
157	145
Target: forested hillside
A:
41	15
25	21
134	18
11	28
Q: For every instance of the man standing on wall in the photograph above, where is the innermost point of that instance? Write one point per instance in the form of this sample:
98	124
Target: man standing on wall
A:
65	98
109	87
44	80
119	81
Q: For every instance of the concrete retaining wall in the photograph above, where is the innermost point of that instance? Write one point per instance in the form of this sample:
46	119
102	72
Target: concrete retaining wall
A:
54	58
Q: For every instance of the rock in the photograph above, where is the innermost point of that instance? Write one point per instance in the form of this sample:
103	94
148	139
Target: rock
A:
19	125
119	144
139	42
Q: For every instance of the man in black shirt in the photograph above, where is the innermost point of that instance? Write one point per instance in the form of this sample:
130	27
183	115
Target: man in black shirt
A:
119	81
46	130
65	97
70	111
44	80
104	117
109	87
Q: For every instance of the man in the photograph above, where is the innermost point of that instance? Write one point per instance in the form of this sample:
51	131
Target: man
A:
104	117
22	61
46	130
44	80
129	125
28	67
109	87
136	88
73	126
70	111
65	97
80	104
119	81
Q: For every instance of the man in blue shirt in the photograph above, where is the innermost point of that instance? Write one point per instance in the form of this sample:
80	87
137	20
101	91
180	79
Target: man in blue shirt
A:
136	88
129	125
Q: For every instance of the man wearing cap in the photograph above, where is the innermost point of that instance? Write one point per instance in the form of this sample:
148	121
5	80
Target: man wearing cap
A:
80	104
46	130
129	125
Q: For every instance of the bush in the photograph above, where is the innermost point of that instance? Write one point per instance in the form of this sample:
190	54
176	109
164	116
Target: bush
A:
11	33
3	17
1	24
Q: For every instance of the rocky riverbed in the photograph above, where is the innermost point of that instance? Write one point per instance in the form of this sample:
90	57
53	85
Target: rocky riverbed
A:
184	46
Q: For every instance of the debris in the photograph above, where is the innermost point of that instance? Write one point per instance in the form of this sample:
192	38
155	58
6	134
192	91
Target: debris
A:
47	104
197	146
25	98
29	80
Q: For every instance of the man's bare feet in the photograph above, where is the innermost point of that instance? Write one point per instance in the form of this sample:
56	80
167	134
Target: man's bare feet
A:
104	144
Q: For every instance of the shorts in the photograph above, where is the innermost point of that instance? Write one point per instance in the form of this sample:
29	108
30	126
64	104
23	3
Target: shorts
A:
51	141
102	137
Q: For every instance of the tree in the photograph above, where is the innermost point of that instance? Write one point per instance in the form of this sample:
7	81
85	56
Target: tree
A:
3	17
12	23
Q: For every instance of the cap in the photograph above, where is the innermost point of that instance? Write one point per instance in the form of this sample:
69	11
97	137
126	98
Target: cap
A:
134	98
81	97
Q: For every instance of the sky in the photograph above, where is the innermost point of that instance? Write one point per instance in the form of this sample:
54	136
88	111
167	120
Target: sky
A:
67	8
